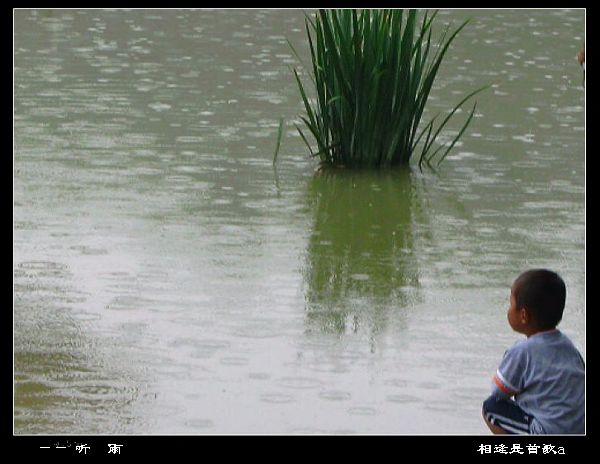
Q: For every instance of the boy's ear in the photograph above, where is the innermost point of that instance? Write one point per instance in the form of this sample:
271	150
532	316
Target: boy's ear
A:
524	314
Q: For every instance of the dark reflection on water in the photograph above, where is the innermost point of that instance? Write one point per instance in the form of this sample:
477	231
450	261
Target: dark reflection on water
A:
360	250
61	373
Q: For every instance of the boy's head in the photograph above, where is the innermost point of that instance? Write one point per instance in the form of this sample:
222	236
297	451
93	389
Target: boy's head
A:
542	294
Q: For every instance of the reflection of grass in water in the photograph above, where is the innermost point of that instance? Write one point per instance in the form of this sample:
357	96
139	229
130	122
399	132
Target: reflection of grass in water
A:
360	257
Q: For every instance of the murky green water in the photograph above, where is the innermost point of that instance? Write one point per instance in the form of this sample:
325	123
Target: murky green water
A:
168	280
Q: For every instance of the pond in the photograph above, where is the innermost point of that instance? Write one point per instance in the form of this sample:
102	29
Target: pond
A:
169	279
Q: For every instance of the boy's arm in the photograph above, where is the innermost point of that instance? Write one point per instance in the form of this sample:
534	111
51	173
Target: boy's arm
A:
508	379
501	388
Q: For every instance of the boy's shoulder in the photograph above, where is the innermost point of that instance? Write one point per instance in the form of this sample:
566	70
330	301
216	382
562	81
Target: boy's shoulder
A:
518	347
545	341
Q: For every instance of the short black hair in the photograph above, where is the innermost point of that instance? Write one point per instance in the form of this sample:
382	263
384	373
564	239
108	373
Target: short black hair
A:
543	293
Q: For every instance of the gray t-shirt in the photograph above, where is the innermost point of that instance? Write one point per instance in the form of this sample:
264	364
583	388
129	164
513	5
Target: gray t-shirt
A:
546	375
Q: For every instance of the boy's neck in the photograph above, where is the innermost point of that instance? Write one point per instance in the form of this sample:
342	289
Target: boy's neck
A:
533	332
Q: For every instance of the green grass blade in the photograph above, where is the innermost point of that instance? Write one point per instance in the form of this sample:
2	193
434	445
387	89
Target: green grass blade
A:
305	140
447	118
459	134
279	134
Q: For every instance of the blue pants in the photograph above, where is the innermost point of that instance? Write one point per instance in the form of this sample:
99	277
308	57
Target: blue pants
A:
505	413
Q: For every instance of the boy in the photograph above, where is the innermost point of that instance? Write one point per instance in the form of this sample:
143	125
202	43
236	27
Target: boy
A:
544	373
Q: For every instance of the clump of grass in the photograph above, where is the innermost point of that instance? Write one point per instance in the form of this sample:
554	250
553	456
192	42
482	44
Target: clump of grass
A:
373	71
